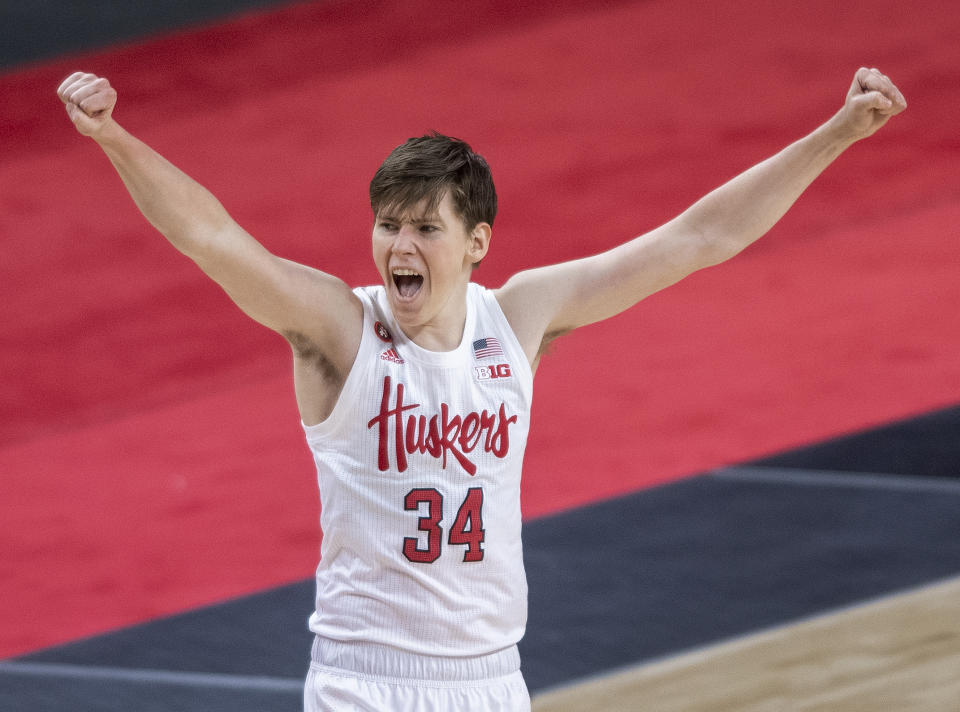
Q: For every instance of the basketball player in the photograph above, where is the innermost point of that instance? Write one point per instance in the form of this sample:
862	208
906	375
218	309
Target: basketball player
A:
415	394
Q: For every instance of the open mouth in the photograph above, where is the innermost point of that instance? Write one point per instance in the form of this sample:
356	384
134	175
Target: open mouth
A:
408	282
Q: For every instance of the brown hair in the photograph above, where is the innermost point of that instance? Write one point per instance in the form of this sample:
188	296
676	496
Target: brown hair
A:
427	167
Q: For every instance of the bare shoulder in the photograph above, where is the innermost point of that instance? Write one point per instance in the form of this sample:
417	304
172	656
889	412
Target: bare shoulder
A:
325	341
526	301
326	329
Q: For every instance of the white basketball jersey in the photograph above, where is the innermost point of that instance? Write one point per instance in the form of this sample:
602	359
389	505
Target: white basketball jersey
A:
419	472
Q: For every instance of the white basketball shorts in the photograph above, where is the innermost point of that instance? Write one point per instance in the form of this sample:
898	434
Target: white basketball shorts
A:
362	677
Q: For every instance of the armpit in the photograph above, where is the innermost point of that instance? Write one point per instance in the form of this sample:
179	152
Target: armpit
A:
548	339
308	352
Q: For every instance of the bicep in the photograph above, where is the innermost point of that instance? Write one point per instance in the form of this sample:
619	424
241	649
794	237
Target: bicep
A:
282	295
553	300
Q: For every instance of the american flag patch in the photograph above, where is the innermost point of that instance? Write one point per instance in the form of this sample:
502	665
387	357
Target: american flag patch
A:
483	348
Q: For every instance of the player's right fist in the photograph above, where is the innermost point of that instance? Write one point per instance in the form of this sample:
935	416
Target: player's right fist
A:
89	100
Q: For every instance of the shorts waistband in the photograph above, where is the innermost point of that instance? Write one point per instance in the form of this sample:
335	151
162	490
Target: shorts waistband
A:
385	661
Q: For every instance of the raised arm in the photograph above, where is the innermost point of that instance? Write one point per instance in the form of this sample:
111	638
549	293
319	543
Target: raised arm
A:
549	301
315	311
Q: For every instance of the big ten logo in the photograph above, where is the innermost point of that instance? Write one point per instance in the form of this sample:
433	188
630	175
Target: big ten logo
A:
487	373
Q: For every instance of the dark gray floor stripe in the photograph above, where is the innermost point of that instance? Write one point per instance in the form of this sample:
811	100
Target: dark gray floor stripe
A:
836	478
924	446
183	679
49	29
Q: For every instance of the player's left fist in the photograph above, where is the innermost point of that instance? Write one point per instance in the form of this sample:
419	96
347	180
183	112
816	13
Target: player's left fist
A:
89	100
870	103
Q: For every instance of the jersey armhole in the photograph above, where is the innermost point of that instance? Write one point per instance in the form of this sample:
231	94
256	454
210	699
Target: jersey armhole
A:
351	383
496	312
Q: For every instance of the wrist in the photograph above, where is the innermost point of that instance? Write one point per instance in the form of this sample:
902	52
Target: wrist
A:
838	131
109	133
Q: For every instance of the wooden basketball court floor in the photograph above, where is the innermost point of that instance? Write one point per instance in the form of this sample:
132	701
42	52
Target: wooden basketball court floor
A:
900	652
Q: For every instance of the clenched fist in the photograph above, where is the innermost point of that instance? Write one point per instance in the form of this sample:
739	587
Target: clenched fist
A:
871	101
89	100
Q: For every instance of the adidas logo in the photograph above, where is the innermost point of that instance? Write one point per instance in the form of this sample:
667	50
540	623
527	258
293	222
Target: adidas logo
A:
391	355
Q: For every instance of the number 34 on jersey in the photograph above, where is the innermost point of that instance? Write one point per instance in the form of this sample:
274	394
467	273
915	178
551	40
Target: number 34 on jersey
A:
466	530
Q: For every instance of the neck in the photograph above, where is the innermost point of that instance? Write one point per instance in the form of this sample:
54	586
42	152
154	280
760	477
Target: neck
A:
444	331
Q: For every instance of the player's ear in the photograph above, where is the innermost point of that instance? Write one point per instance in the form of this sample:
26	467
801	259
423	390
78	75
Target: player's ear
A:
479	242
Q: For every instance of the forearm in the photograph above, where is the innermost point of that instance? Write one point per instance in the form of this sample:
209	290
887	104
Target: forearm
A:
185	212
742	210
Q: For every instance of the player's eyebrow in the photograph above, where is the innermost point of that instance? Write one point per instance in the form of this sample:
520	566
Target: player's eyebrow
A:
419	220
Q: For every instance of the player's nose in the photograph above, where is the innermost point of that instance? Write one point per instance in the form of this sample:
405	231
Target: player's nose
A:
403	241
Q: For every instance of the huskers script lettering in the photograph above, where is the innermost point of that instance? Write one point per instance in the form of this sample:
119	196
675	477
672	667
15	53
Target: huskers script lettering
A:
437	435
